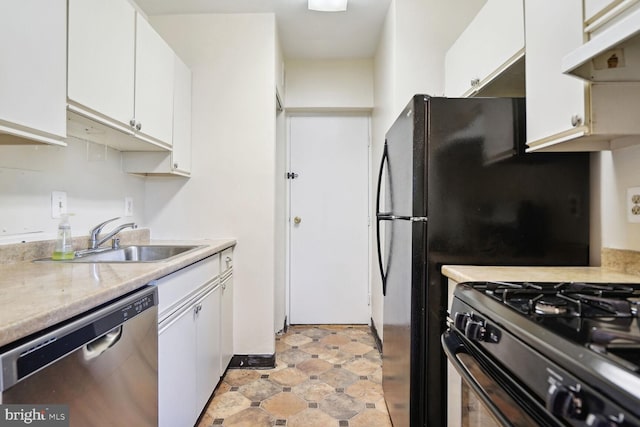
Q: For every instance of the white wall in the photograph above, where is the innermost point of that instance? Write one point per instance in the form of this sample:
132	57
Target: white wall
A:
618	171
329	84
410	60
232	188
90	174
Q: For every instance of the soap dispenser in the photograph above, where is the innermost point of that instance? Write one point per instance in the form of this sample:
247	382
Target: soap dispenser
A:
64	244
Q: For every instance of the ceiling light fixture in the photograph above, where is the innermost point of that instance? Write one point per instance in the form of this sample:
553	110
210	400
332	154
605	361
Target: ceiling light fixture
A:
328	5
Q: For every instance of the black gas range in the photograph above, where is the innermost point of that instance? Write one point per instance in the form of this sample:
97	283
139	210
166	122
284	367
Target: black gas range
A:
561	353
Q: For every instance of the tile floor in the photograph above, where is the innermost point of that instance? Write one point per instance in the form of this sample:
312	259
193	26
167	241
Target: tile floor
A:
326	375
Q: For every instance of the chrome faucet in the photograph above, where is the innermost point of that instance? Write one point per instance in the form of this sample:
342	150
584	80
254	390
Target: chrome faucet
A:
95	240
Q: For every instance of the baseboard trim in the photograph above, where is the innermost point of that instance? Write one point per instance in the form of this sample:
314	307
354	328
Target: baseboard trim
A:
376	337
253	361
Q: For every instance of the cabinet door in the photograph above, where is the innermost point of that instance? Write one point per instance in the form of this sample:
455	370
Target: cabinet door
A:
596	8
177	371
153	83
33	70
181	155
208	346
599	14
556	107
492	42
101	57
226	330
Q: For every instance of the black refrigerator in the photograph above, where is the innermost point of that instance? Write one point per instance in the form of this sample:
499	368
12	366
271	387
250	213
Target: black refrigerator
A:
455	186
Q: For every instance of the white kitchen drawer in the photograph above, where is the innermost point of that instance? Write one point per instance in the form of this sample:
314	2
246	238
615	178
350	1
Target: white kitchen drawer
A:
226	260
177	287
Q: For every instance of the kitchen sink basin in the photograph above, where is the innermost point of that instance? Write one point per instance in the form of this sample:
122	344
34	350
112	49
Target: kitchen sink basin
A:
135	253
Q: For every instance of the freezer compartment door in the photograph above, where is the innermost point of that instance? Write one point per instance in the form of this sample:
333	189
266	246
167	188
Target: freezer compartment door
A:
407	161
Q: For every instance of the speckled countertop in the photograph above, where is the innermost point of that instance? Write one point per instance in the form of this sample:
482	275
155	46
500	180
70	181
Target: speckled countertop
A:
466	273
36	295
618	266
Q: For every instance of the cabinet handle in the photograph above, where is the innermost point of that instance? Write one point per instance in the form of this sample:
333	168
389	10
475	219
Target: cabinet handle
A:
132	122
475	82
138	126
228	259
175	165
576	120
224	286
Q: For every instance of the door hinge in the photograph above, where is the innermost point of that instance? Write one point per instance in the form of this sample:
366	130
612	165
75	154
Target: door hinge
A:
291	175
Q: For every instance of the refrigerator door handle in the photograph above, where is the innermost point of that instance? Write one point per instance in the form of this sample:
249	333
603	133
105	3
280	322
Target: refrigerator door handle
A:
381	216
384	216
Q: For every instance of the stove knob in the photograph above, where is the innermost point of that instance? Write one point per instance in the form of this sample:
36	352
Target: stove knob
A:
563	402
600	421
460	320
475	330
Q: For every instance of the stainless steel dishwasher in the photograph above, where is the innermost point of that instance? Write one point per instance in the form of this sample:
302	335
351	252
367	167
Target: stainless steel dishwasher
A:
103	364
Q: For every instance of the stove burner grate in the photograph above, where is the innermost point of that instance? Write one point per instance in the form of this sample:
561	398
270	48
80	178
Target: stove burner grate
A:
566	299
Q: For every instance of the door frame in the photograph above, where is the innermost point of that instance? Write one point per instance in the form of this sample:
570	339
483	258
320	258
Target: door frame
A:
370	189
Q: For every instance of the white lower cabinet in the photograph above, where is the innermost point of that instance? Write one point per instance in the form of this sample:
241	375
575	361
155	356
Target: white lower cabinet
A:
226	322
207	362
191	338
226	308
189	358
176	372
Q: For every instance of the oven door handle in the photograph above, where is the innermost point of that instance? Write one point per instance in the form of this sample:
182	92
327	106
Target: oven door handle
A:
496	399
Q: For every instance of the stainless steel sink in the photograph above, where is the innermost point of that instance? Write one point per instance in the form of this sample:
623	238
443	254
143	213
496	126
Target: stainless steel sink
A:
136	253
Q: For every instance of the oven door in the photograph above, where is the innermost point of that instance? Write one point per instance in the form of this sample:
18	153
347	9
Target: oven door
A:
481	393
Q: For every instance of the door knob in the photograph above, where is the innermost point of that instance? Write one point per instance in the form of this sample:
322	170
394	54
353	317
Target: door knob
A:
297	220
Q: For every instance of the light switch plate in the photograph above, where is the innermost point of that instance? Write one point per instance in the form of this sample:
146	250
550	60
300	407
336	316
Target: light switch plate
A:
58	203
633	204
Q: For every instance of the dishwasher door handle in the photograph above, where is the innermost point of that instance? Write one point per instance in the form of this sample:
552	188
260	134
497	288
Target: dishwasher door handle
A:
98	346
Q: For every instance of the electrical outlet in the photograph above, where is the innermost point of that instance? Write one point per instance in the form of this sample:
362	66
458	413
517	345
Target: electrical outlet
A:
128	206
633	204
58	203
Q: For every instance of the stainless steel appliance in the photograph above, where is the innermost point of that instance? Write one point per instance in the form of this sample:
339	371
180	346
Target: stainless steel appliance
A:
559	353
103	364
456	187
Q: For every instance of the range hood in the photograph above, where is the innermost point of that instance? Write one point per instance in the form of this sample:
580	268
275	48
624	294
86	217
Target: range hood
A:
612	55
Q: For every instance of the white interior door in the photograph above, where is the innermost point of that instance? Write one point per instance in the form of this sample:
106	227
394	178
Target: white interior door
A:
329	246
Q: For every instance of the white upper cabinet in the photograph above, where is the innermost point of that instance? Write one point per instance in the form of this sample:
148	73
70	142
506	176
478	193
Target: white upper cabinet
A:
565	113
102	59
33	71
154	83
555	102
600	13
181	118
178	161
120	77
492	43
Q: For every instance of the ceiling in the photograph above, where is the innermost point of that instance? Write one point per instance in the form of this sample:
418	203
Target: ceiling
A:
303	34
